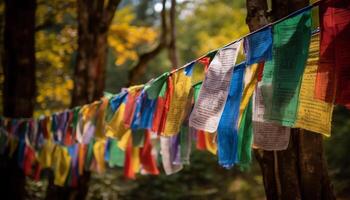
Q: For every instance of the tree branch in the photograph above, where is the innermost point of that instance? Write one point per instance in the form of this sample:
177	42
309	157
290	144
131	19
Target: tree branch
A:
109	12
141	65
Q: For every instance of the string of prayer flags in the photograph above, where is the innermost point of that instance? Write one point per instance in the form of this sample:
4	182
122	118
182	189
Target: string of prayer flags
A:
333	82
258	46
213	93
291	39
268	136
313	114
227	130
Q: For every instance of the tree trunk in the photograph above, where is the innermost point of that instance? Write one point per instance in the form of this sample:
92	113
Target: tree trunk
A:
19	84
94	19
300	172
173	57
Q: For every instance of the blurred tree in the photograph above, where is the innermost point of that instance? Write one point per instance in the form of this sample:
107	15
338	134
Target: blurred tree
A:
300	172
207	25
19	83
94	20
140	66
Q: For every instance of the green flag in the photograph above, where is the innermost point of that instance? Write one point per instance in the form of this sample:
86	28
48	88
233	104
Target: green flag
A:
155	87
245	137
117	156
282	76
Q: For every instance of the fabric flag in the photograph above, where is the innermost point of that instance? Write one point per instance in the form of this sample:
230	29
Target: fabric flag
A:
88	160
99	152
267	135
175	116
81	157
162	107
73	173
45	155
130	105
245	137
291	39
169	150
213	93
205	140
29	160
86	125
129	172
116	155
185	135
147	112
313	114
154	88
258	46
116	127
333	75
185	145
250	81
227	130
61	165
148	162
132	160
100	118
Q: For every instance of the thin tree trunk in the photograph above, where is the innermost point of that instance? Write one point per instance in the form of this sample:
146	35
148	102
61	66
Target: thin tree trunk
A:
19	84
173	57
300	172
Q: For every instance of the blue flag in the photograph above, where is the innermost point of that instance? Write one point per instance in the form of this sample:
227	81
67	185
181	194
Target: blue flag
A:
227	130
258	46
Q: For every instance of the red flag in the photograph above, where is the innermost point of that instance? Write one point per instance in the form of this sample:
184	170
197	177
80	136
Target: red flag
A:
128	167
148	162
201	141
333	74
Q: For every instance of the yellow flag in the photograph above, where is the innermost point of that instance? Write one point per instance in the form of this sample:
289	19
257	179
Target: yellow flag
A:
61	165
175	115
135	156
100	119
45	156
210	142
116	127
99	152
313	115
250	81
123	142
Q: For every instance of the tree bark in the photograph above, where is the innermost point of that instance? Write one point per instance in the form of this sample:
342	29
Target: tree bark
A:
300	172
94	19
19	84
